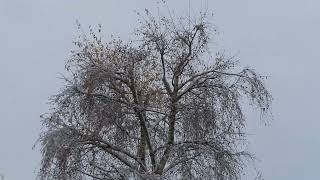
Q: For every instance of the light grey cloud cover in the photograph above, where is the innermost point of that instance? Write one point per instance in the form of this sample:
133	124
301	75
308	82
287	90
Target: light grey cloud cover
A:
277	38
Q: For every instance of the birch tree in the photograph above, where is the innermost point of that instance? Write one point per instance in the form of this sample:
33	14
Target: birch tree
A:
157	107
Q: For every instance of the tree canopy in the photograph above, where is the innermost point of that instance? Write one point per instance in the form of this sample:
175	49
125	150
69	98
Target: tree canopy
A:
160	106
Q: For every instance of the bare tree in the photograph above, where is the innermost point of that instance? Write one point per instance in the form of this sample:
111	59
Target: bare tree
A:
159	107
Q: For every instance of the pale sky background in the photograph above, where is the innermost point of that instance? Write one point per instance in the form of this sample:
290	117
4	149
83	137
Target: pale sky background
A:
279	38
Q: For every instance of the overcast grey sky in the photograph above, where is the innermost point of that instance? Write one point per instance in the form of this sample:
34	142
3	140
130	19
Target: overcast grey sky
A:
279	38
